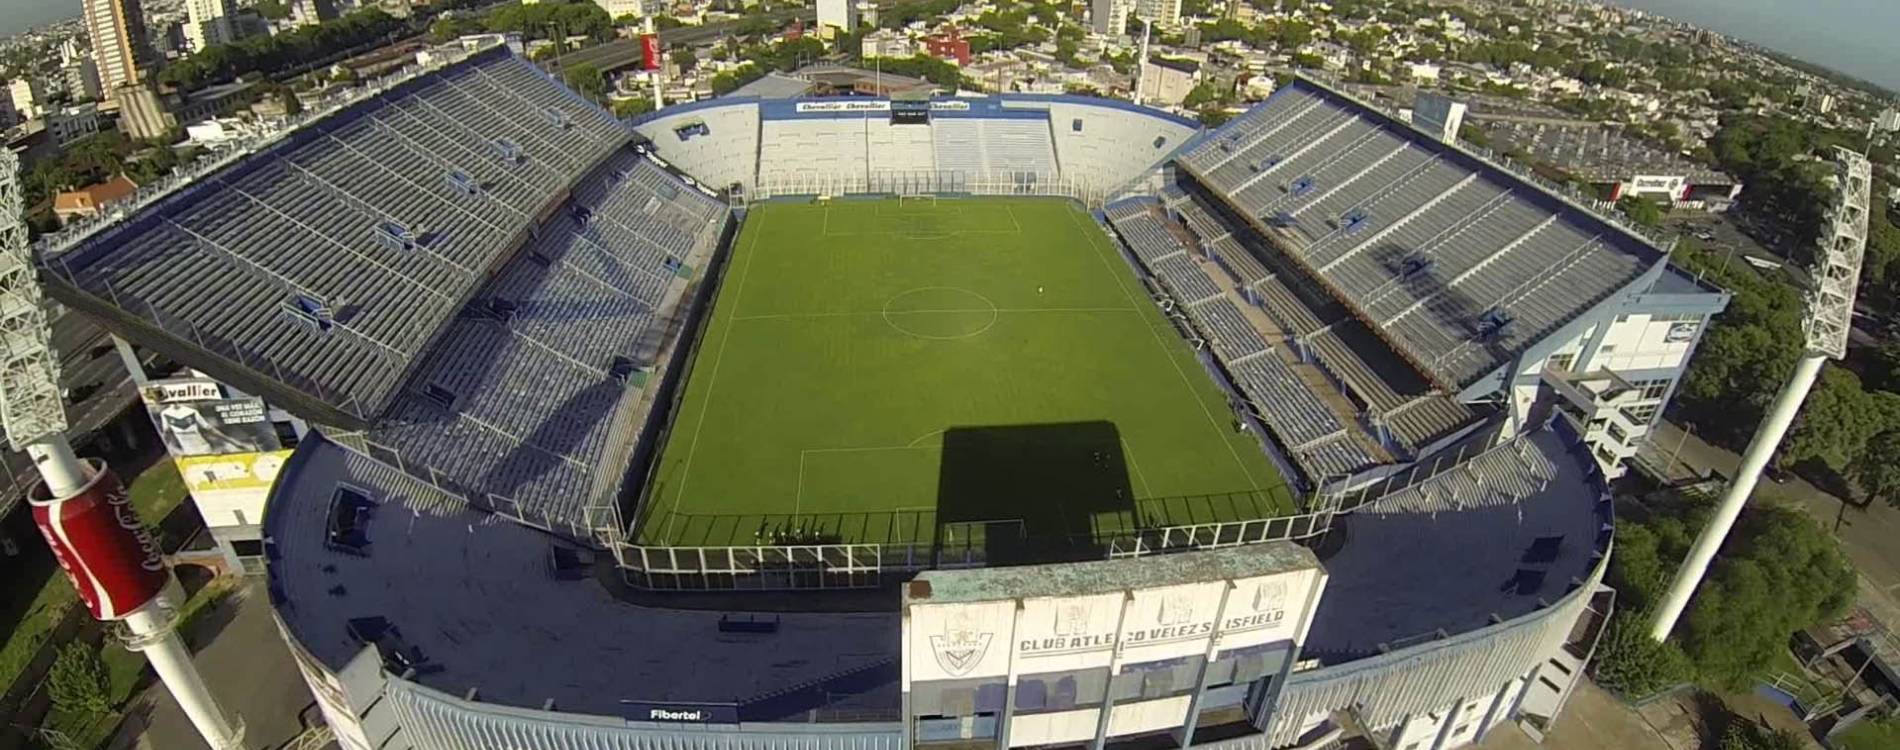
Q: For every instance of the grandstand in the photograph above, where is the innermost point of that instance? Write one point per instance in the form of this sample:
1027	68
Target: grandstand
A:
1417	240
505	315
1013	144
461	276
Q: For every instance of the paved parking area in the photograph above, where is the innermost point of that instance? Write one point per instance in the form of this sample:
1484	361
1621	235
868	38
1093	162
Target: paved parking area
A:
248	668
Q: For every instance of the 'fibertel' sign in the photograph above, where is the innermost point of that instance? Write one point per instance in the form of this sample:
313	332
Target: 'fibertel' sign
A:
692	713
99	540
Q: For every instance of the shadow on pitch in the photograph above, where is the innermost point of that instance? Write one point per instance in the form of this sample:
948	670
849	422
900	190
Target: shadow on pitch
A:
1020	494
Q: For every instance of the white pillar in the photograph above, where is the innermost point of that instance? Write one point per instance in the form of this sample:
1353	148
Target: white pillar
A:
64	474
1773	427
1141	59
659	73
153	634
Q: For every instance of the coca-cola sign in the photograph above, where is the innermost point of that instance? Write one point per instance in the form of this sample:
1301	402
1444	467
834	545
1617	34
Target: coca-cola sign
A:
113	560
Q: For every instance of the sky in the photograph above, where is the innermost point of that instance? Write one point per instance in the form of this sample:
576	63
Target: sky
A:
19	15
1855	37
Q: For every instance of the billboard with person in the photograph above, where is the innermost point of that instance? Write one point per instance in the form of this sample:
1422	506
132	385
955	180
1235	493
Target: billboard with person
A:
194	418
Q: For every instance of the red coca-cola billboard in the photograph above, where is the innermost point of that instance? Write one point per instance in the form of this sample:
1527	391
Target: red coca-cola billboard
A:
112	559
650	51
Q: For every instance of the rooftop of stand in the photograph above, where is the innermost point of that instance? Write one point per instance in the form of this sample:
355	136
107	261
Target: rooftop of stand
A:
489	604
327	262
1461	264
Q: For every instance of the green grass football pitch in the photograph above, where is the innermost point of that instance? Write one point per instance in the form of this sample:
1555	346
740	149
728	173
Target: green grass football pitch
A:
932	371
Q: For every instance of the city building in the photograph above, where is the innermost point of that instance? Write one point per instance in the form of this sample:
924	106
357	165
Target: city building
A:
8	115
948	46
838	14
311	12
1110	17
1889	120
27	96
1168	80
70	124
623	8
119	45
1439	115
1164	13
91	201
209	23
142	114
82	80
886	43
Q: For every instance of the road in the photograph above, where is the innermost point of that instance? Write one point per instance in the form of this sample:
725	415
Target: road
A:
626	53
246	666
1867	537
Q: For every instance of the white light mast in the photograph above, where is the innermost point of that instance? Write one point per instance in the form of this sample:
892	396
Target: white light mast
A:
1830	309
81	507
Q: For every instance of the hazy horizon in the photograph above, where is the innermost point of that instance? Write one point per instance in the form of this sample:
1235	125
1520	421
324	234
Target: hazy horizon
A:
21	15
1851	36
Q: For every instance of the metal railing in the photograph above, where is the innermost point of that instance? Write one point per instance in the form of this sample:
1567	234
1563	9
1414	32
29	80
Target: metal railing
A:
931	182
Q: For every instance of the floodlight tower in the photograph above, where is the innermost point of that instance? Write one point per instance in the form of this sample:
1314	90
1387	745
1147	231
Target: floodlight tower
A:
80	506
1830	309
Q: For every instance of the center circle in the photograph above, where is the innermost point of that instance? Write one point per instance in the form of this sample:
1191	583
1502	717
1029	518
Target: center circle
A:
940	312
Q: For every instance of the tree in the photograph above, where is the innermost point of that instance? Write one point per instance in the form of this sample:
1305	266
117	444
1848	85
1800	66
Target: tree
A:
1641	210
585	80
1878	468
78	682
1778	572
1743	734
1632	664
1783	574
1836	421
624	108
685	59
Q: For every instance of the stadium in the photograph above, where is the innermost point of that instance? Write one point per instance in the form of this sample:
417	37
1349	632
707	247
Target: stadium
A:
846	423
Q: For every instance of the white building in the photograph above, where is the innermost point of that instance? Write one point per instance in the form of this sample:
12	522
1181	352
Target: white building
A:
838	14
1889	119
209	23
619	8
1168	82
1424	72
26	96
1439	115
886	43
1110	17
1161	12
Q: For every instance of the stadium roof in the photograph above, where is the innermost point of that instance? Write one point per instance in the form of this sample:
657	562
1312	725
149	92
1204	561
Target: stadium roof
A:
495	606
317	271
513	613
1443	558
1460	264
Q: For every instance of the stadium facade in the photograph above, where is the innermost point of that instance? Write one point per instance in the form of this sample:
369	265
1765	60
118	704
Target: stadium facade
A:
479	288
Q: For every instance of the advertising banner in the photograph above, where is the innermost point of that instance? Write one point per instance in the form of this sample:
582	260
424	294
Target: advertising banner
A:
240	472
113	561
650	51
852	105
194	419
